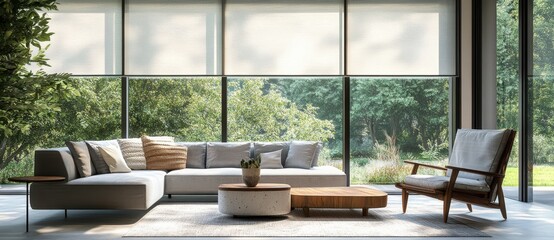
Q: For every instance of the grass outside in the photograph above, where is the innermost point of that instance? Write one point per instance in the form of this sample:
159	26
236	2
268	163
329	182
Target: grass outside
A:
542	176
364	171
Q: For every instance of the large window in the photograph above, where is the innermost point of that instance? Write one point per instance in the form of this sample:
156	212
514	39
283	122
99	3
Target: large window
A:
187	108
285	109
540	91
93	113
507	82
272	70
527	93
396	119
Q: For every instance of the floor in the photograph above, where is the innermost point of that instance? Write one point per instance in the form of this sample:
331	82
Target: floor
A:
525	220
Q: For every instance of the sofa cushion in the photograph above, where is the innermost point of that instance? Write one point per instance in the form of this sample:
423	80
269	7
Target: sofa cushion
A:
97	159
163	155
226	155
301	154
113	157
206	181
271	159
196	154
263	147
441	182
81	157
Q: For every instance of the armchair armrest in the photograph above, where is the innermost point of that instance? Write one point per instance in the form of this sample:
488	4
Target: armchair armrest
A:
489	174
417	164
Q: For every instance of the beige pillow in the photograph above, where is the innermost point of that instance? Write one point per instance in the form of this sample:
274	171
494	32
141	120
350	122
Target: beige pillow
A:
162	155
114	159
133	153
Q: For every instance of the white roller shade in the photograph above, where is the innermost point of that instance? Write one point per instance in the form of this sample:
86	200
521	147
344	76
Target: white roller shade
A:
173	37
283	37
87	37
402	37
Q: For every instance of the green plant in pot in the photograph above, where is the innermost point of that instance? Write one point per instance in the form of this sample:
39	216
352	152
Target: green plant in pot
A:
251	171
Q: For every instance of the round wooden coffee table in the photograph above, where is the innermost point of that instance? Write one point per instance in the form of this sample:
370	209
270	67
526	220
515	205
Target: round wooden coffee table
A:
31	179
265	199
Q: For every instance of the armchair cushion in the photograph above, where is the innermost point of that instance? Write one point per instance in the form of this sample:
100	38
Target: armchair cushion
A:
478	149
441	182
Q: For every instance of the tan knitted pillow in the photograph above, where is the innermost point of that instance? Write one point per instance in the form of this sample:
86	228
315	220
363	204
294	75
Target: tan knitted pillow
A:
162	155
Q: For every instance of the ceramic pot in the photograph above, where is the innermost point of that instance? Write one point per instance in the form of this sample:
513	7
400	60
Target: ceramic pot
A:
251	176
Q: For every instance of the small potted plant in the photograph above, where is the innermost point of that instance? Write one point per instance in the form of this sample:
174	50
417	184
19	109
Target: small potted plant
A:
251	171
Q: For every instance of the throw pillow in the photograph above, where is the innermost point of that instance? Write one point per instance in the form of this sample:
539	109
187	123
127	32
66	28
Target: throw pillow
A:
301	154
196	154
81	157
163	155
97	159
133	153
226	155
271	159
263	147
317	152
113	157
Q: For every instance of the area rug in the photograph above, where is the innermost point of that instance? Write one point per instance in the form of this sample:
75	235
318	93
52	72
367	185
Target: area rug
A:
204	220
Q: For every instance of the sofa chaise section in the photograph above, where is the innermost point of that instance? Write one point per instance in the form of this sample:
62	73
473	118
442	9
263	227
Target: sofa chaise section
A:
136	190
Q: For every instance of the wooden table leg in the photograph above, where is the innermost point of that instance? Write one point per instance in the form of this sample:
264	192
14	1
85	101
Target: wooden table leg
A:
306	212
364	212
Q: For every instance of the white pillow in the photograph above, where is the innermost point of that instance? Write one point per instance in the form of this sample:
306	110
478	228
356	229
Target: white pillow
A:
301	154
271	159
114	159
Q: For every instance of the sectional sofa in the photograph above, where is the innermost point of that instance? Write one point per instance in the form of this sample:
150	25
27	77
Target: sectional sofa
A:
140	189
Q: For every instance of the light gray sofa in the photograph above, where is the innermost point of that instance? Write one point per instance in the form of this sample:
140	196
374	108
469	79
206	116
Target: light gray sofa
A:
140	189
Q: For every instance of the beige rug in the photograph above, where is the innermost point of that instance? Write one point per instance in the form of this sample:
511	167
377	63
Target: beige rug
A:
204	220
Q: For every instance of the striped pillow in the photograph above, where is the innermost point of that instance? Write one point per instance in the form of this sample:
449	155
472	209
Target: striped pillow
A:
133	153
163	155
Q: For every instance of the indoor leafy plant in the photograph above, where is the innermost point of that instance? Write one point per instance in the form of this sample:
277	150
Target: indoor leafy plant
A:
251	171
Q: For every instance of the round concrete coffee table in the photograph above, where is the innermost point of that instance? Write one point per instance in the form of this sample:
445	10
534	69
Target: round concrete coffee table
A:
265	199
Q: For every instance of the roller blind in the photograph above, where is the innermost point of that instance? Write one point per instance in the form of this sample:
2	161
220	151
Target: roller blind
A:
87	37
283	37
401	37
173	37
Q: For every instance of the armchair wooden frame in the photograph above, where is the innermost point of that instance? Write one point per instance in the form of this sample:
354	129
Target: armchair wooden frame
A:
485	199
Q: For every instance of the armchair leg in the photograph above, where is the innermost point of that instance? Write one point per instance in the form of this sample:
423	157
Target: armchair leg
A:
469	207
405	195
502	203
446	208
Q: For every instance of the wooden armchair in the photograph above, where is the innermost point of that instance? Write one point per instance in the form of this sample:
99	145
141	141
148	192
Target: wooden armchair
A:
474	173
